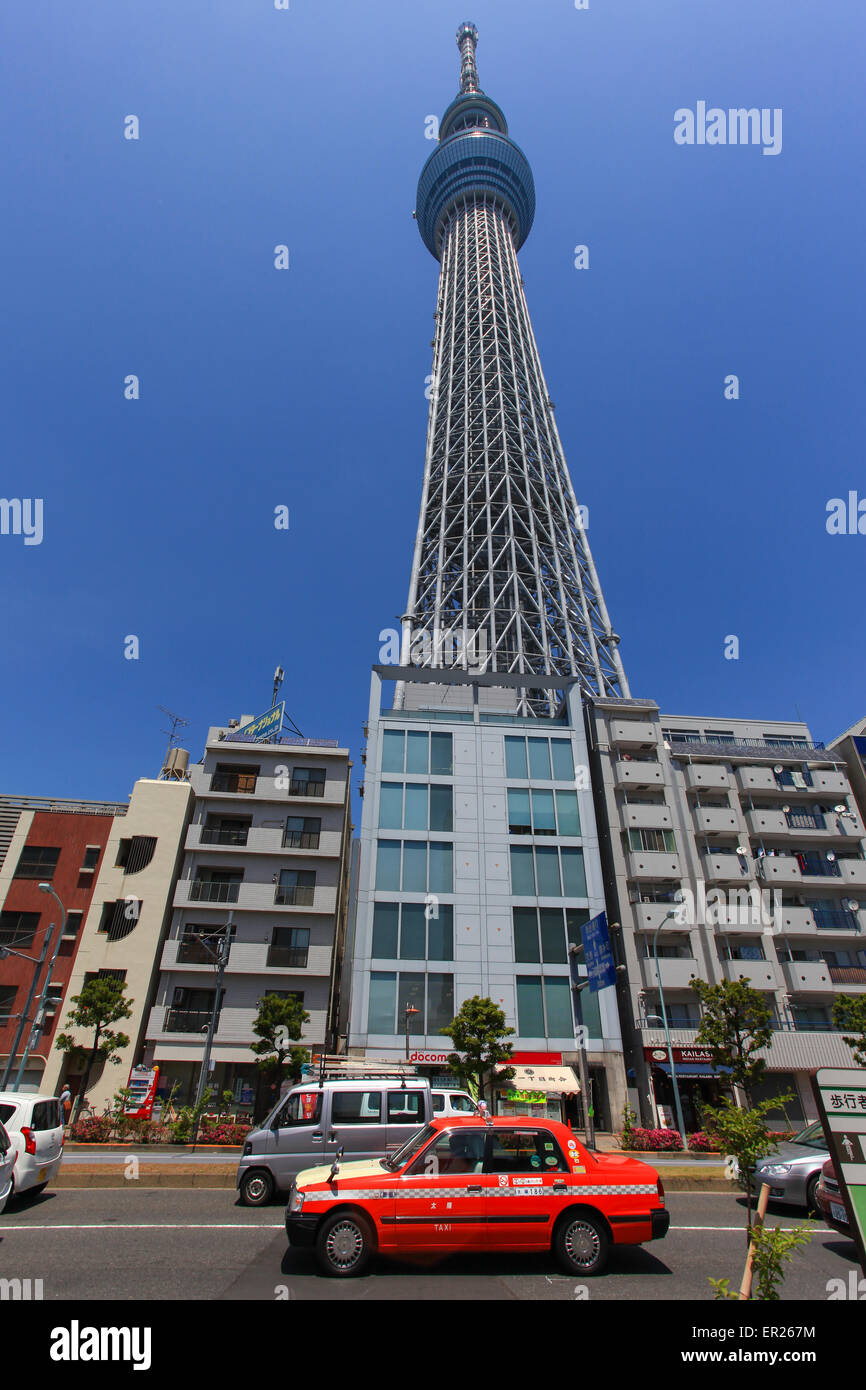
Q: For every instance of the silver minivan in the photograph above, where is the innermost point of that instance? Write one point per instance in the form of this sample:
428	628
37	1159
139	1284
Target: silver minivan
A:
368	1117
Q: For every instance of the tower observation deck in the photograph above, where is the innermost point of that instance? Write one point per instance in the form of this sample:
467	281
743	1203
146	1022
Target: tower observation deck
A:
502	575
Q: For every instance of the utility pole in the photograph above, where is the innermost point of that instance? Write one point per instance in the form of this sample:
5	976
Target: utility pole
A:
39	1015
221	956
577	987
7	951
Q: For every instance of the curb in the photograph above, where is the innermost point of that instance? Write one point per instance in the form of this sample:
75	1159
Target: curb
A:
181	1176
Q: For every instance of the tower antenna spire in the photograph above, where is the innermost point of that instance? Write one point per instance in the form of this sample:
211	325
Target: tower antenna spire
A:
467	38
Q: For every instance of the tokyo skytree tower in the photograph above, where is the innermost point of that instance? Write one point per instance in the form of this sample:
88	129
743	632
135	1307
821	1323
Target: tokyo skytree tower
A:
502	575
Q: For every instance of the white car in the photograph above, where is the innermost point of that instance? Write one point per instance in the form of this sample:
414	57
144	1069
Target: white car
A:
35	1126
8	1155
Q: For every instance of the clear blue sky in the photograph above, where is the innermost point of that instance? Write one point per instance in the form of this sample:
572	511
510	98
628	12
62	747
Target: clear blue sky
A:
306	388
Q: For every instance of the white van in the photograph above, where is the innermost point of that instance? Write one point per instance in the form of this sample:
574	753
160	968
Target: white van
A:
453	1103
35	1126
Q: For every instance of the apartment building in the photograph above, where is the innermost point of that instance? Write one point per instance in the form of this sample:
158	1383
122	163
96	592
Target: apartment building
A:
266	860
61	843
479	863
125	924
740	843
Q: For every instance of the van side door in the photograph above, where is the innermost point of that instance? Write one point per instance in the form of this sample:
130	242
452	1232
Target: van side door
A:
298	1136
356	1121
405	1112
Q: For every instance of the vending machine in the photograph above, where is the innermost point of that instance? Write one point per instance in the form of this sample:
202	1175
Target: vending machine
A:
142	1091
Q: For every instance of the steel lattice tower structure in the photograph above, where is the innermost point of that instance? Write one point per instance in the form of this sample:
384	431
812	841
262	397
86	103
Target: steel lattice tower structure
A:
502	575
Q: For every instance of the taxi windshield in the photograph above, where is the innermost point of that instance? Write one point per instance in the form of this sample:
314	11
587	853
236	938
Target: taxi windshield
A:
409	1149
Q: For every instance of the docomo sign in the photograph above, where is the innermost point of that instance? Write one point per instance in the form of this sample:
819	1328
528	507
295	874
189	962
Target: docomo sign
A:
428	1058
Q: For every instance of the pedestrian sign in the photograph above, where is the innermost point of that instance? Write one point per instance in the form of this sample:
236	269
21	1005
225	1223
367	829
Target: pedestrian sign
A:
841	1096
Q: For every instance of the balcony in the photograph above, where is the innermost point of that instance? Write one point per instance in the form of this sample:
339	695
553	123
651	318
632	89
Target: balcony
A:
635	773
725	868
828	780
761	974
647	817
833	918
677	972
846	975
651	864
719	820
756	779
633	732
648	916
785	868
219	835
299	896
288	957
205	890
304	788
807	977
853	871
707	776
187	1020
766	823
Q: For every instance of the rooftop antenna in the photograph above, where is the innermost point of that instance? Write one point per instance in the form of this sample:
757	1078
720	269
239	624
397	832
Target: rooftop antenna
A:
173	739
279	677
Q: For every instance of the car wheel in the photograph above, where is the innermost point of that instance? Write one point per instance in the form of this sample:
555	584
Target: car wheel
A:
811	1189
581	1243
257	1188
344	1244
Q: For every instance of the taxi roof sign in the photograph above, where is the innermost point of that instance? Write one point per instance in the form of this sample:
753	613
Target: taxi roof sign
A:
841	1096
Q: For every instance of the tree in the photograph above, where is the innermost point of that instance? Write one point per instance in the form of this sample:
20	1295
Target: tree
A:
744	1135
101	1002
278	1024
477	1033
735	1025
849	1015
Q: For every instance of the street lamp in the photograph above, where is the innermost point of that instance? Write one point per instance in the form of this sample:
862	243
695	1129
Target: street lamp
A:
221	956
677	1103
410	1012
39	1014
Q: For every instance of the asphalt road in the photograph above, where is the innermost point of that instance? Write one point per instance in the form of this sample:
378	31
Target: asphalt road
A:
195	1243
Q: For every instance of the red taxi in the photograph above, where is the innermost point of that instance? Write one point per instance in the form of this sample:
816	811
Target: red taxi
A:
474	1184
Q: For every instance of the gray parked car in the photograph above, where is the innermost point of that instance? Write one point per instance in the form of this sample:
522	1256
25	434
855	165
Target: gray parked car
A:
368	1117
794	1171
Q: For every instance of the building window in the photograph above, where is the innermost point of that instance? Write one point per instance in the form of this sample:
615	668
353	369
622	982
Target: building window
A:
191	1010
750	948
544	1007
17	929
679	1015
307	781
539	759
216	886
199	944
415	806
671	948
296	888
223	830
119	918
532	812
37	861
107	974
431	993
405	932
73	923
545	934
649	841
415	866
547	873
234	777
135	854
417	752
302	832
7	1003
91	857
289	948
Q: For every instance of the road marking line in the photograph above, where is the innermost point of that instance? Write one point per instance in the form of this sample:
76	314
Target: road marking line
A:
149	1226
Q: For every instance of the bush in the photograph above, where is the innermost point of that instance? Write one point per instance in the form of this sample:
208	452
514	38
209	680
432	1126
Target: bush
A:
702	1143
653	1140
223	1134
94	1130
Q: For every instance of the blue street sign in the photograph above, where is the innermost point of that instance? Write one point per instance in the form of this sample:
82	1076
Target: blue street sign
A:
597	955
